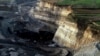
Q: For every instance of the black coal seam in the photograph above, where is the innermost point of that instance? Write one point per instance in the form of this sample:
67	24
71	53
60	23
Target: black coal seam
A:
1	18
28	46
17	44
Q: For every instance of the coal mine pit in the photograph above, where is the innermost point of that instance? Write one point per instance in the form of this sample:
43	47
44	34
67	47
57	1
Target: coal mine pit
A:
18	28
21	41
41	36
1	18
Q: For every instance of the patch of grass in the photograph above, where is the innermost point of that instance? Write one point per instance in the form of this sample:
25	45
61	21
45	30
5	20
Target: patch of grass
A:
95	27
98	22
81	3
87	14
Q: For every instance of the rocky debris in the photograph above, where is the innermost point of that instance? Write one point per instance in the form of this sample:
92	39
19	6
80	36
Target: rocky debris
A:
1	36
66	36
29	49
98	45
12	51
89	50
54	51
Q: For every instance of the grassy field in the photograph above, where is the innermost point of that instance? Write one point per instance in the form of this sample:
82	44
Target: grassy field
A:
98	22
81	3
84	4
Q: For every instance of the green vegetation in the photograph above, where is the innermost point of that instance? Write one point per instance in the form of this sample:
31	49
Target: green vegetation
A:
98	15
95	27
84	16
81	3
97	22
